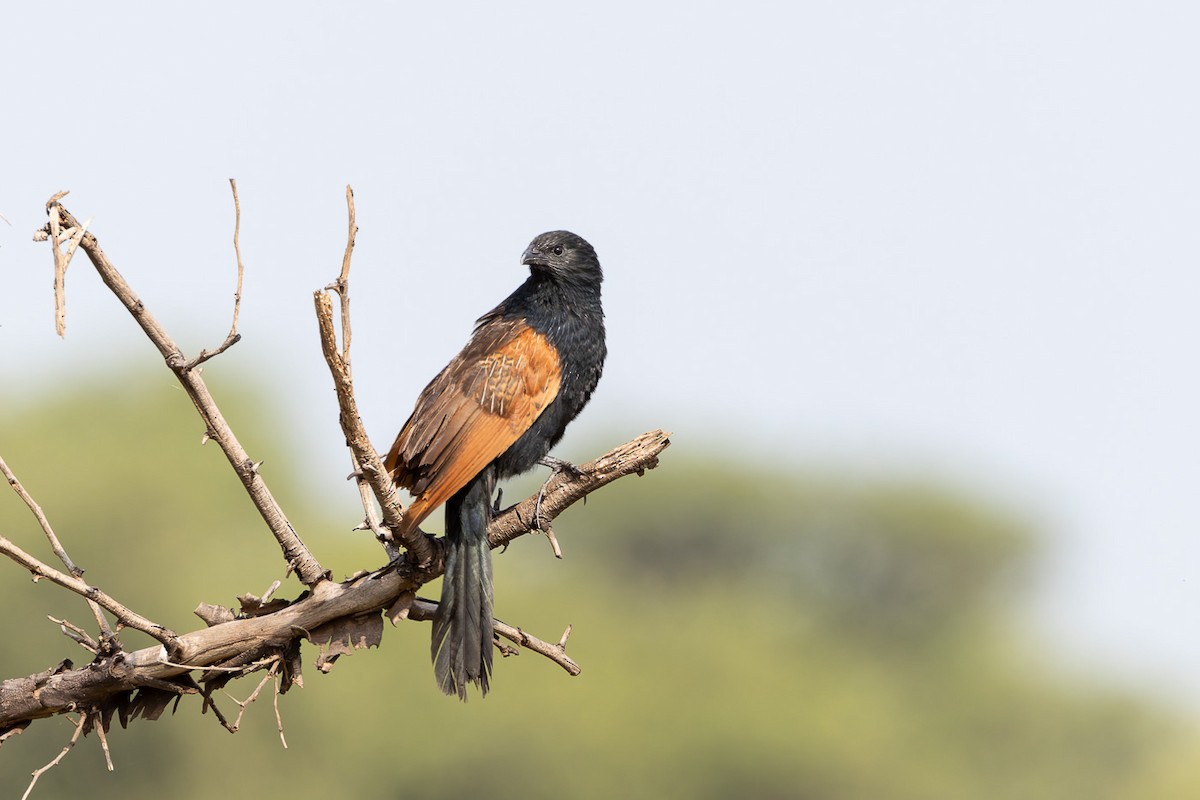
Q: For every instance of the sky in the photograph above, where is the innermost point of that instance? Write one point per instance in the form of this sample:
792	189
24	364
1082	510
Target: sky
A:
947	240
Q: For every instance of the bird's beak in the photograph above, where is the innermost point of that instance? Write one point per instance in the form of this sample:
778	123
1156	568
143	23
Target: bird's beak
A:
532	256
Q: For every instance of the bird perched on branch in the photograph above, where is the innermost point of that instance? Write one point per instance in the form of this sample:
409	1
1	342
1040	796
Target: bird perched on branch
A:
494	412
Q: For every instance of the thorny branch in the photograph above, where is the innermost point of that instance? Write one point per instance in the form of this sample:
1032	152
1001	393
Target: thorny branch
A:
83	717
298	556
81	588
74	581
111	679
246	639
369	471
424	610
106	632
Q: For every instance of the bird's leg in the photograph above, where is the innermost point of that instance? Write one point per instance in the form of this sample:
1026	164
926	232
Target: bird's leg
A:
557	465
496	505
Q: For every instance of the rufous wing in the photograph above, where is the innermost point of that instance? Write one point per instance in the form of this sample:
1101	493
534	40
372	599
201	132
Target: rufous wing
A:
473	411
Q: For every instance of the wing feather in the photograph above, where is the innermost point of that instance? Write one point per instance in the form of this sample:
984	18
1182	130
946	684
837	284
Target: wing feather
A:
473	411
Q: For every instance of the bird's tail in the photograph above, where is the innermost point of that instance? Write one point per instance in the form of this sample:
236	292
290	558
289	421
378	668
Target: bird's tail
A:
462	628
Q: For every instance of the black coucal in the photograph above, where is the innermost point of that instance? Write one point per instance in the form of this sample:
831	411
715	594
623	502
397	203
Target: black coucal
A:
494	412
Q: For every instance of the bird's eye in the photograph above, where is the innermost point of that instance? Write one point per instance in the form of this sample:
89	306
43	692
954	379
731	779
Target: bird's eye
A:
558	250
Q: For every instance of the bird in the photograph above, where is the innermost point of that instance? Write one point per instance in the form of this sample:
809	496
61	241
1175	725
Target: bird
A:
495	411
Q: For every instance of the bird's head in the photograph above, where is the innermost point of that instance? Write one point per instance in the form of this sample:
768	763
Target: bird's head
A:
564	256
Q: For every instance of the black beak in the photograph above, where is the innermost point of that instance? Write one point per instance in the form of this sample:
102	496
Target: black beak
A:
532	256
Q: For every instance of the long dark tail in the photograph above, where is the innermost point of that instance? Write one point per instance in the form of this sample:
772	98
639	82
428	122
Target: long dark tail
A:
462	629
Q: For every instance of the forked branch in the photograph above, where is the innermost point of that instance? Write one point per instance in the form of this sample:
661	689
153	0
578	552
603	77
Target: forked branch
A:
369	469
299	558
228	643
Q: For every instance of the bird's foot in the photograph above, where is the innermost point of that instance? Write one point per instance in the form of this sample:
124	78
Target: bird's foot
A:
557	465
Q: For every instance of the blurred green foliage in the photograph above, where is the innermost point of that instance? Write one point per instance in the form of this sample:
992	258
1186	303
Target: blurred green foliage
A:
744	632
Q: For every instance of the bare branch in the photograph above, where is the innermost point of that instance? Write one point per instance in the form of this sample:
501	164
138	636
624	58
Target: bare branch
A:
77	635
424	610
55	545
237	250
234	337
368	466
278	717
342	285
564	488
104	746
54	762
371	467
244	704
71	236
74	581
40	516
62	689
15	730
297	554
128	618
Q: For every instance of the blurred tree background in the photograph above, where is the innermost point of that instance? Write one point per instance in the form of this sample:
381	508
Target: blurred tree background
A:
744	630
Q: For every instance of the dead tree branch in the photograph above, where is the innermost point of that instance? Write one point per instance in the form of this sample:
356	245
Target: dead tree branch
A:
74	581
339	365
83	718
81	588
368	465
109	681
106	632
424	610
298	556
234	337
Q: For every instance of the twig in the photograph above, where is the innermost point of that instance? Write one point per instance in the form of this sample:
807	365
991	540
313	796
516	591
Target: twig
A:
368	467
127	618
207	667
298	556
62	260
550	537
104	745
278	718
15	730
54	762
564	488
424	610
76	571
234	337
244	704
77	634
342	284
74	581
40	516
206	701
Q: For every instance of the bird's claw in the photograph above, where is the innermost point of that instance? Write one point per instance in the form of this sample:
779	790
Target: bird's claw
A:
557	465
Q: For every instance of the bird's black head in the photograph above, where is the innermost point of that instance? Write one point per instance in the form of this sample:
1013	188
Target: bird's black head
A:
564	256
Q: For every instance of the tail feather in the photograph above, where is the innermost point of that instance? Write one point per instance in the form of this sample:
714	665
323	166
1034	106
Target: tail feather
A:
462	629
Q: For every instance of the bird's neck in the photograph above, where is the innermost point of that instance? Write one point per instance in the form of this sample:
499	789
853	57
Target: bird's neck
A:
577	295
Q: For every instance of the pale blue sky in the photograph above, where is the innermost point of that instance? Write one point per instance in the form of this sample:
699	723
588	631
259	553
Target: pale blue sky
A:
938	238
